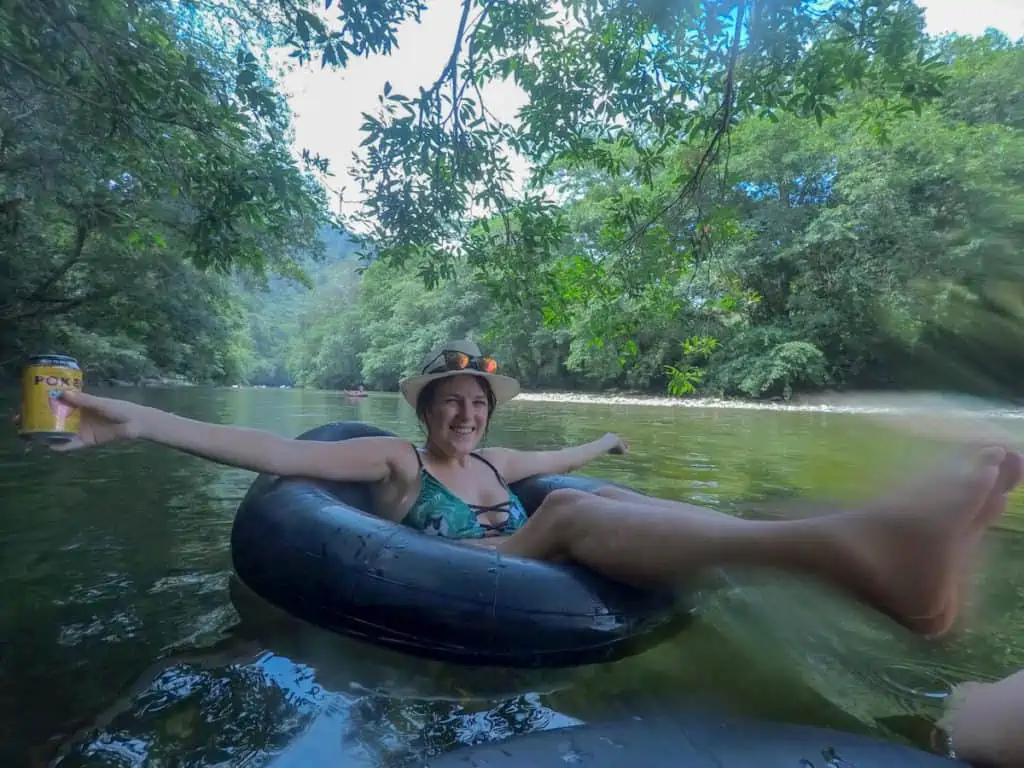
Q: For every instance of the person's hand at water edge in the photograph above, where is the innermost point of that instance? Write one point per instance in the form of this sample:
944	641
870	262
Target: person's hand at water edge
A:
982	720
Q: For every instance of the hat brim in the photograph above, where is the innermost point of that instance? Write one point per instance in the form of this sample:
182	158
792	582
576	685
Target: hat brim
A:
503	387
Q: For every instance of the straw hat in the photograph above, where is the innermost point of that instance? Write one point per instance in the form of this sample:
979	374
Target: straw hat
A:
432	368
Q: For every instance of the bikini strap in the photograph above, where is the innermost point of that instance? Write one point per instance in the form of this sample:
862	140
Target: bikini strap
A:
494	469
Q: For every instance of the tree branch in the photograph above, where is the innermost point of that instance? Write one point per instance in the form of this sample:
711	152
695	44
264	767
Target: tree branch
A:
10	314
710	154
450	72
77	250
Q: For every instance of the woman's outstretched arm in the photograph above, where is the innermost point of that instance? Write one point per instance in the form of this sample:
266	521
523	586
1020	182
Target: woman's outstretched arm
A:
365	459
515	465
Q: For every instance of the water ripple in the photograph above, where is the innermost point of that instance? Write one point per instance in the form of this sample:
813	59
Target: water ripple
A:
116	628
114	585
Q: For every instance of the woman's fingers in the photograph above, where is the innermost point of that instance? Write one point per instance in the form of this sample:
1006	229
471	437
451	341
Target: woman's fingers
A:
79	399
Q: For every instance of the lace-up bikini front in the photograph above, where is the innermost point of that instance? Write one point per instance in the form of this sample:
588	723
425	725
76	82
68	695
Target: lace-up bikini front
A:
440	512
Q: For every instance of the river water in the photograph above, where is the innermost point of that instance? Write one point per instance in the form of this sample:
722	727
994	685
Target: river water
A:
122	646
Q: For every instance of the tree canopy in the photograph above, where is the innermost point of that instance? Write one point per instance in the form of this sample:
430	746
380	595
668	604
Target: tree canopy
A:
749	198
610	86
863	250
141	157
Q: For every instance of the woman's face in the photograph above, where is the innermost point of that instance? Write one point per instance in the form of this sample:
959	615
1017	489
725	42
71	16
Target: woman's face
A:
457	418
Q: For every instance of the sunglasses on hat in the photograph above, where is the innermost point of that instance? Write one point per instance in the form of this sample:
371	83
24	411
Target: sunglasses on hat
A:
453	360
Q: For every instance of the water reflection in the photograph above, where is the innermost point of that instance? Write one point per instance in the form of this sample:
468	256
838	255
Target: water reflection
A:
193	716
316	698
401	731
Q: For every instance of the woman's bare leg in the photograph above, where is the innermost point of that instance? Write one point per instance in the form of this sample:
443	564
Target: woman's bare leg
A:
627	496
904	554
778	508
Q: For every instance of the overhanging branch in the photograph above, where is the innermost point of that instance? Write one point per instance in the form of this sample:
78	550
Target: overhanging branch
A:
77	251
708	157
13	313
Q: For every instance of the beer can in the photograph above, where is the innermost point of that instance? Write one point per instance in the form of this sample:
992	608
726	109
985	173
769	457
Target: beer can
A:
44	417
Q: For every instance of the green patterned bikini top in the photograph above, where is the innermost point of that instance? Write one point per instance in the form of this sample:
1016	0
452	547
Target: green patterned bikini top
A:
439	512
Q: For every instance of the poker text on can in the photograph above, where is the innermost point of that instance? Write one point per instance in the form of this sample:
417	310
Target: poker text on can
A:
44	416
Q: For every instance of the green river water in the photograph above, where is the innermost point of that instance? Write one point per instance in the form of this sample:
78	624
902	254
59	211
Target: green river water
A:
121	646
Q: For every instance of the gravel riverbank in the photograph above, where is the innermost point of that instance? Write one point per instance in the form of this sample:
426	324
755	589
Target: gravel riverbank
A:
896	403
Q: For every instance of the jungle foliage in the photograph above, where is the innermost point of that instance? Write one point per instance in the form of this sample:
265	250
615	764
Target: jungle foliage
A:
750	198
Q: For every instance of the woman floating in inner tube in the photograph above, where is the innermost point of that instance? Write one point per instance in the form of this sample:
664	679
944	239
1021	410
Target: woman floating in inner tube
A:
906	554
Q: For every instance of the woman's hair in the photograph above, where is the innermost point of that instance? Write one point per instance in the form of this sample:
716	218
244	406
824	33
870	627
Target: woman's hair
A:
426	398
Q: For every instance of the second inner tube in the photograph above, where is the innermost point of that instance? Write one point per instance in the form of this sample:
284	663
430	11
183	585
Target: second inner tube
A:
313	549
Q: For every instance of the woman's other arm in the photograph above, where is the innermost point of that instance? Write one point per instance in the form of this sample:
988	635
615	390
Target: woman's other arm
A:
515	465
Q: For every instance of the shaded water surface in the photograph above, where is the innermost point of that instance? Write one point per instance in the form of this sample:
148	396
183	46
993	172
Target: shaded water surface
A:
121	646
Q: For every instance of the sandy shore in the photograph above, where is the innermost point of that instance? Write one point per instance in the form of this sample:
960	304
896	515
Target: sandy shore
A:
874	403
664	402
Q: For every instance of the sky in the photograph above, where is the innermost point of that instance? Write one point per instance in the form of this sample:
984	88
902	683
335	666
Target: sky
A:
327	104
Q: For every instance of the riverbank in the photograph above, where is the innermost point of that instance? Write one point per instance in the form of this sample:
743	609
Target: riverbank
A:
614	398
151	381
877	403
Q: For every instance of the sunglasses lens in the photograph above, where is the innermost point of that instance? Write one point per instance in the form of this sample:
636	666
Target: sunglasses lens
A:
451	360
456	360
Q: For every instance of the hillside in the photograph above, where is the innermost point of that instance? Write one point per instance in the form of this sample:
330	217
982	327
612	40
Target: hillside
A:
273	312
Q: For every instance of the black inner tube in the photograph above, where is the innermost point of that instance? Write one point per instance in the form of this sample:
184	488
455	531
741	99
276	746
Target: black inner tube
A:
315	550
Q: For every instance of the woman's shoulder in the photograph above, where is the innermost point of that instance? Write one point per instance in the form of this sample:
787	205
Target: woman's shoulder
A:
401	455
404	451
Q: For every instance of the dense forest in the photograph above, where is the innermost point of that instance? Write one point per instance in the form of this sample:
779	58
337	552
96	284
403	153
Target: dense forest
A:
805	202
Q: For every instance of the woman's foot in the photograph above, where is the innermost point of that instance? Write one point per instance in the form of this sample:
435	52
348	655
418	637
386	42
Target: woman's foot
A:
915	549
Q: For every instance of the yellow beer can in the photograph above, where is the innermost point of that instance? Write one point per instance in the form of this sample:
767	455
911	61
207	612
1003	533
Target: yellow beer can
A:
43	416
